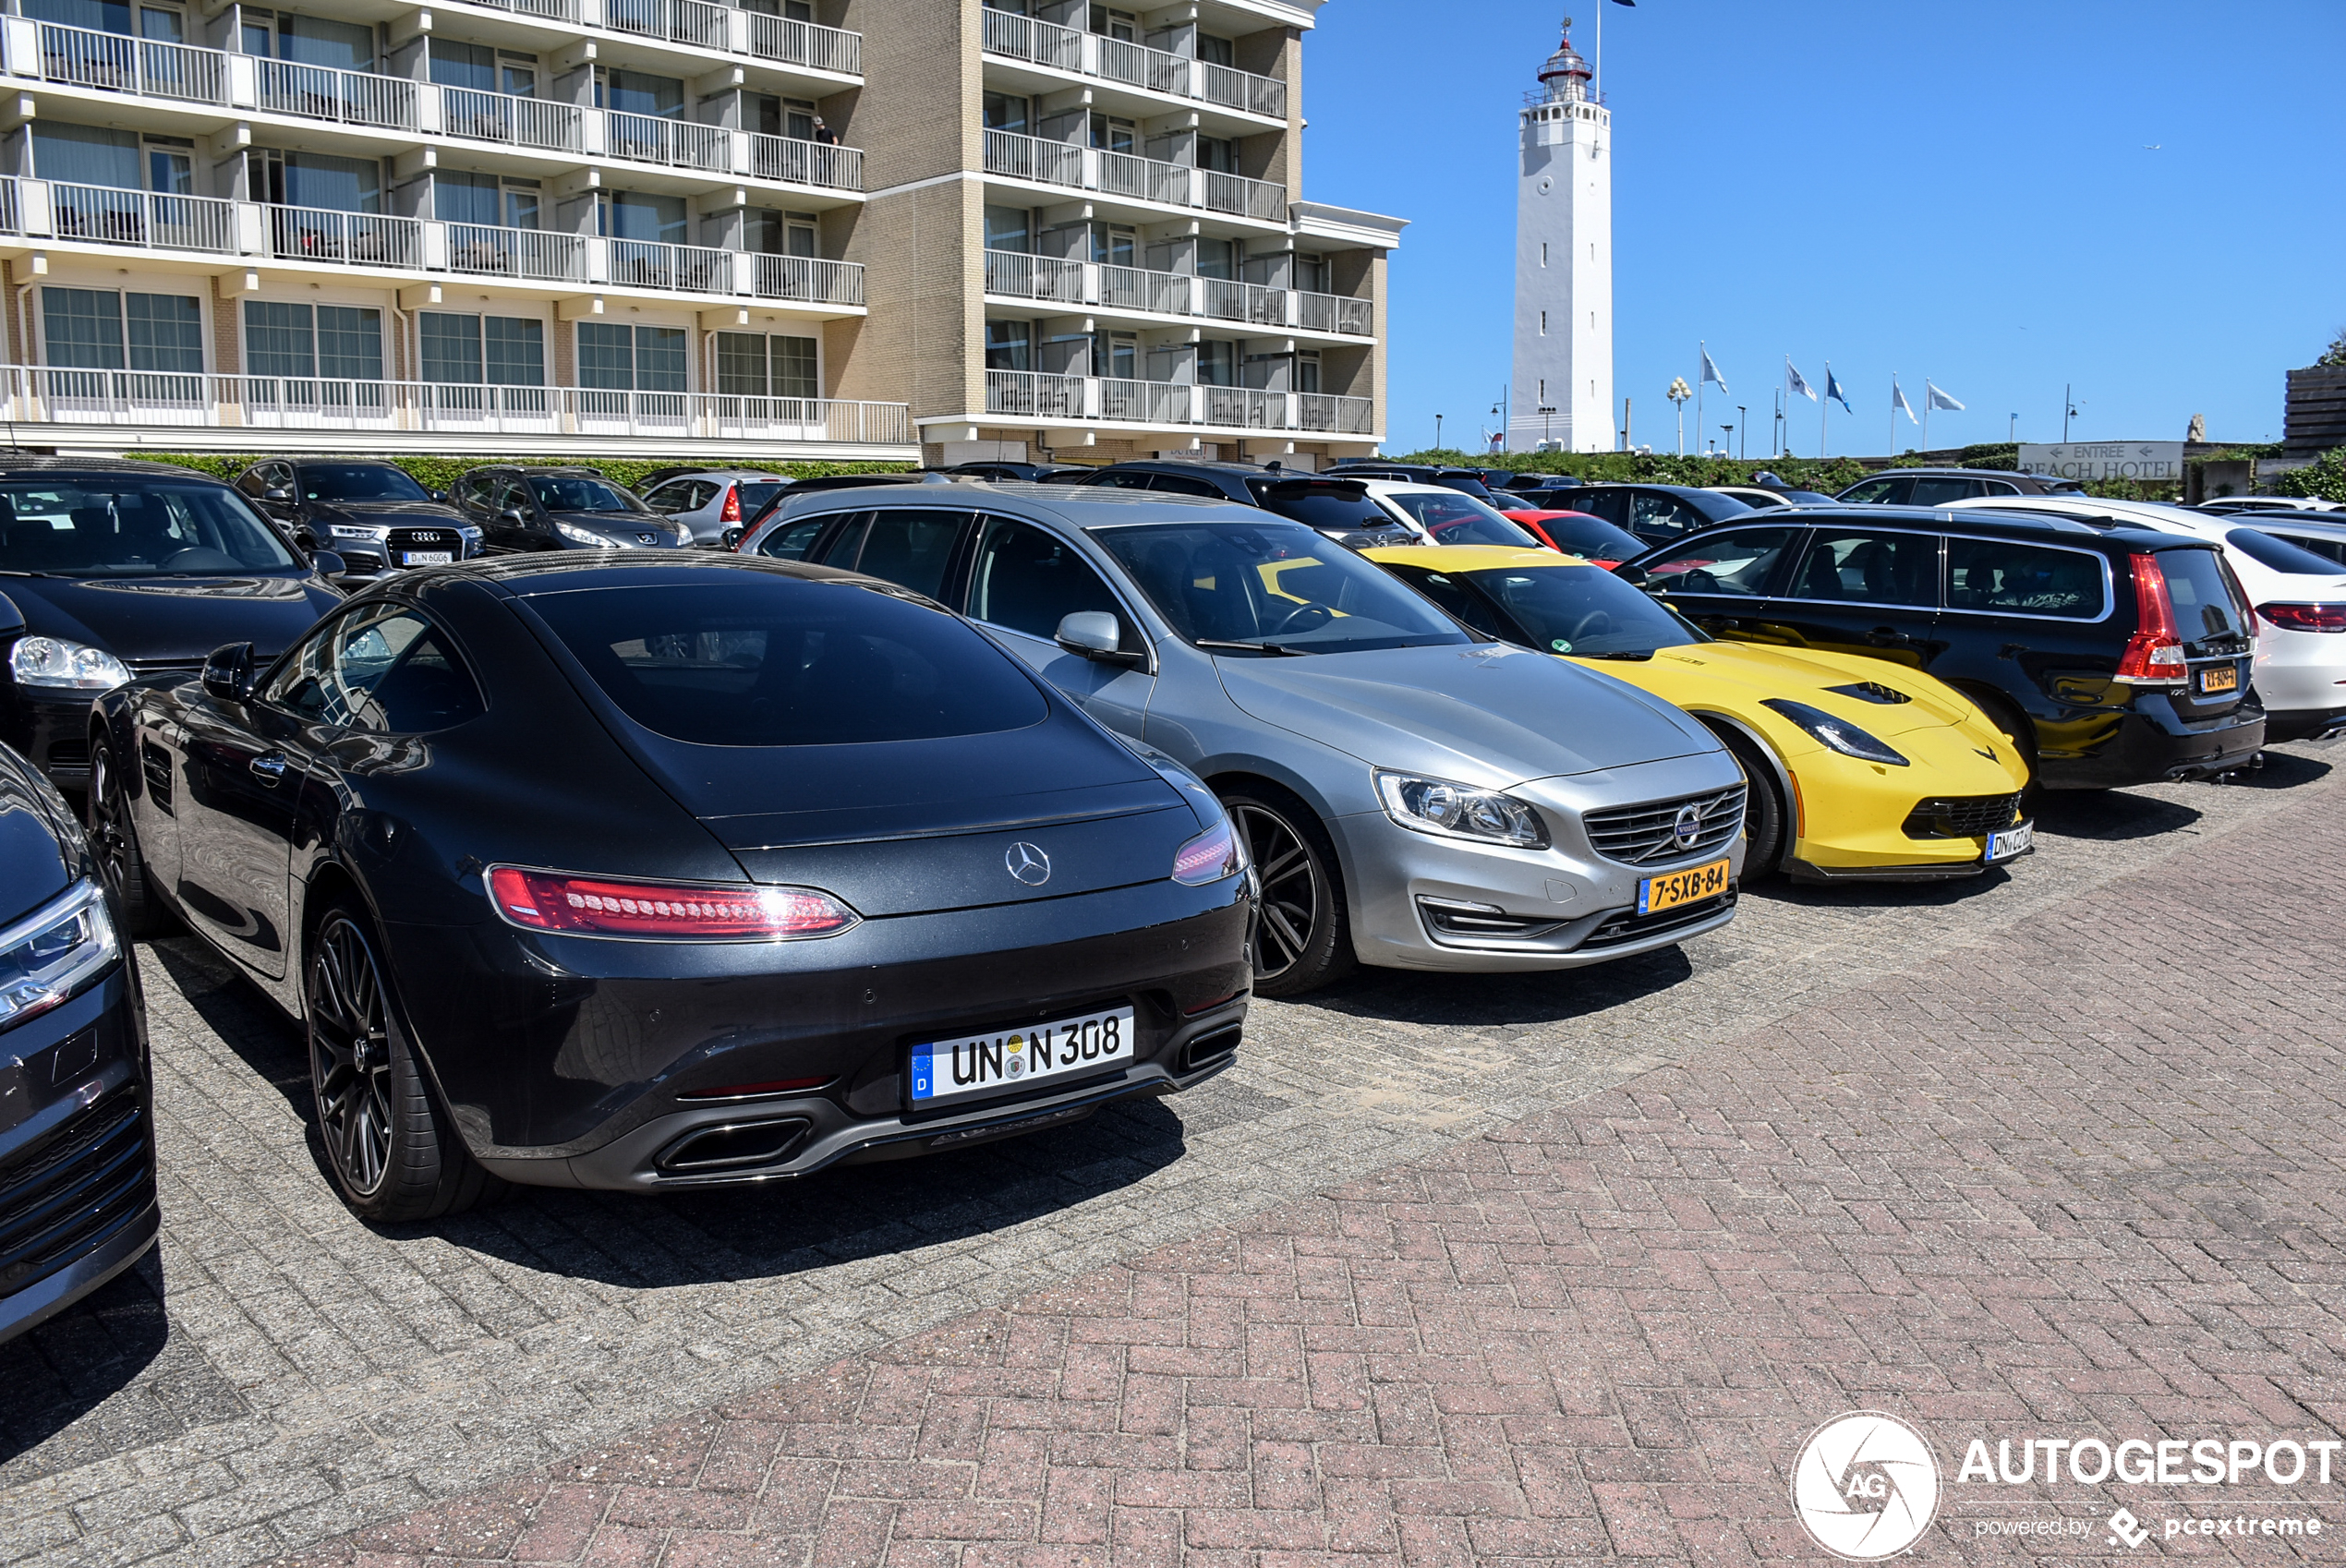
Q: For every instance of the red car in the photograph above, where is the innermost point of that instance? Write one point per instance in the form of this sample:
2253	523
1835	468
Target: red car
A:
1577	533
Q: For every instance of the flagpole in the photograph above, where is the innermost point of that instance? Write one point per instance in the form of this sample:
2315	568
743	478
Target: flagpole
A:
1701	346
1926	416
1894	414
1824	411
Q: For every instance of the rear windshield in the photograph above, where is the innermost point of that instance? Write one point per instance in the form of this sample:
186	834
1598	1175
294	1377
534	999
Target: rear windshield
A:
752	497
2280	554
1337	507
1592	537
778	661
134	527
2207	605
357	481
1458	519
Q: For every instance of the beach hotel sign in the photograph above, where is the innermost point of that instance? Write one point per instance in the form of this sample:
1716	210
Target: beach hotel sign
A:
2106	460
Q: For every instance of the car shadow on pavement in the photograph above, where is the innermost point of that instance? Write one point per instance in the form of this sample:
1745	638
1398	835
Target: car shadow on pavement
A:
1491	1001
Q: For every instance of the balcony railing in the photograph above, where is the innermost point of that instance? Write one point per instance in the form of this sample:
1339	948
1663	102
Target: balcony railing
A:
141	219
353	97
1048	279
1017	157
113	63
695	22
804	43
517	121
1013	37
487	251
1034	395
177	73
41	395
805	162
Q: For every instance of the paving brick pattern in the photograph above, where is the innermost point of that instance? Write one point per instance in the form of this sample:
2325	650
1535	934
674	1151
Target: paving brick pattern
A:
2088	1180
279	1374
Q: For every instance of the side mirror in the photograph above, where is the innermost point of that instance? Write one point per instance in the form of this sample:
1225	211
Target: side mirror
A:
326	564
278	494
732	537
514	515
228	673
437	495
1094	634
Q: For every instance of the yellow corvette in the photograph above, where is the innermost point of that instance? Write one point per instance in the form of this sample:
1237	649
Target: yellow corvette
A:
1859	770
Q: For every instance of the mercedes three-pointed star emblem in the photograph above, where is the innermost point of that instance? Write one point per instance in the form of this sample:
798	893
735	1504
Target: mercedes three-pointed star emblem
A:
1028	863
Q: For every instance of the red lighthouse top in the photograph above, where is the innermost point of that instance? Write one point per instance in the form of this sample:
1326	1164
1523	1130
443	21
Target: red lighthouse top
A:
1567	74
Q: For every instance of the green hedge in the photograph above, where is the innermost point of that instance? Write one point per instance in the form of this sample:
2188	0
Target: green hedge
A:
1832	474
439	472
2324	479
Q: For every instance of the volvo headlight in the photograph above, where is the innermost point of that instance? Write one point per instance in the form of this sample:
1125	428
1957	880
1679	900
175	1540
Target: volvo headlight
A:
1460	810
63	666
578	536
1838	733
53	952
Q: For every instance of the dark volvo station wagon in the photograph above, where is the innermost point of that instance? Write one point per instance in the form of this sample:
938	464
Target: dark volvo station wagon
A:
2110	657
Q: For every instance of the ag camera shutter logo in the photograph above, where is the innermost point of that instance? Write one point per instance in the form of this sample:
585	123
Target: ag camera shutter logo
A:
1866	1485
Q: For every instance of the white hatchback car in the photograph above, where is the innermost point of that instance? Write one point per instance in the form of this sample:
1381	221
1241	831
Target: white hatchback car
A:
1439	515
2300	599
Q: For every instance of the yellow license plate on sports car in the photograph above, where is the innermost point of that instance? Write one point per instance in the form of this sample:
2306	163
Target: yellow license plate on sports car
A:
1667	892
2222	678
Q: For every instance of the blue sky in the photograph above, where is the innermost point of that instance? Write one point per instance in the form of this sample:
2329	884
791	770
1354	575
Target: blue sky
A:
1961	191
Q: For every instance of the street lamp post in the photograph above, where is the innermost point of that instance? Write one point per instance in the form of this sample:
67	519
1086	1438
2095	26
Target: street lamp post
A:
1437	432
1742	412
1678	394
1726	440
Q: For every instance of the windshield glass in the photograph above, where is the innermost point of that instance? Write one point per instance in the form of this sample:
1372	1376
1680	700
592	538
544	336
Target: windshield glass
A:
754	497
780	661
1455	519
357	481
1582	609
2280	554
2201	588
1592	537
1337	507
133	527
1272	583
580	495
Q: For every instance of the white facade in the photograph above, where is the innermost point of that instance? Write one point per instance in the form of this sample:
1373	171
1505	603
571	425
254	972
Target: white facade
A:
1564	265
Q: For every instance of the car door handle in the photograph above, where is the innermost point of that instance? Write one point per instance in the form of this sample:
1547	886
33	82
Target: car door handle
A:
269	767
1888	637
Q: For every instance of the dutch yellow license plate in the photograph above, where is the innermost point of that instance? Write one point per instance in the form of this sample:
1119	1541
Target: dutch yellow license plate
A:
1668	891
2221	678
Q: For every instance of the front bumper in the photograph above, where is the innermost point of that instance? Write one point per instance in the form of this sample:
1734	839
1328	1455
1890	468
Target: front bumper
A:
1854	815
51	729
77	1162
1559	908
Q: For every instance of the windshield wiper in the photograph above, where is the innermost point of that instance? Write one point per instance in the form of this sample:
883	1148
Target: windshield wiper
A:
1249	648
1637	656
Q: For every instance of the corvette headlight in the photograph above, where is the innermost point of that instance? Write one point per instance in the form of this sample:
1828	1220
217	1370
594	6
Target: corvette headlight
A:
51	953
1838	733
63	666
578	536
1460	811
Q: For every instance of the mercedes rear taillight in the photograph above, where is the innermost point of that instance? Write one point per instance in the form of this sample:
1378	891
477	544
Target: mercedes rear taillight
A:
2304	617
664	912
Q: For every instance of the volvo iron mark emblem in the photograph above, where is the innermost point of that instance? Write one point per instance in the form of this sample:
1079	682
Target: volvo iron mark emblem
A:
1688	827
1028	863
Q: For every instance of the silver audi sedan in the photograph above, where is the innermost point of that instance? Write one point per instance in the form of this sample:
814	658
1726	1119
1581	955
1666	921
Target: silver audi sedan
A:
1414	794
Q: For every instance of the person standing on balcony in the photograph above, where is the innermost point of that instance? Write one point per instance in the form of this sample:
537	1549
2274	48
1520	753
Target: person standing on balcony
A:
824	134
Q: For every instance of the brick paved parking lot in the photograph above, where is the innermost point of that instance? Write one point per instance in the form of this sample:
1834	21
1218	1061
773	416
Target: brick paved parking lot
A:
1448	1270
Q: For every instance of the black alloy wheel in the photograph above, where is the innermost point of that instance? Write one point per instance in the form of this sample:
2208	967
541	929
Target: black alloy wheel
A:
1766	821
114	838
1303	939
392	1156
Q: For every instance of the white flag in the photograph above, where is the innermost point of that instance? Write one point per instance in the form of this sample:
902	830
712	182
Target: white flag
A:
1898	402
1800	386
1711	372
1934	398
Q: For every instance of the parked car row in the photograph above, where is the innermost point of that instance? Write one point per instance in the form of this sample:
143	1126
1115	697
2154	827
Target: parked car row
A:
939	810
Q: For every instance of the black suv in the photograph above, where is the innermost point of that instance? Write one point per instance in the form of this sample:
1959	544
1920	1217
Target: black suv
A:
1656	513
1337	505
535	509
2070	638
372	515
1937	487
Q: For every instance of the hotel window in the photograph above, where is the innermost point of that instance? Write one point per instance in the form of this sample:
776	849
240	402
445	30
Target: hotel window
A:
766	365
460	198
308	41
1111	23
1116	355
1008	228
320	180
1218	153
1217	257
1543	323
479	68
1010	345
628	214
121	160
1543	253
1112	133
1006	111
1306	370
1217	51
634	92
91	327
770	232
332	342
165	24
506	351
617	358
1218	363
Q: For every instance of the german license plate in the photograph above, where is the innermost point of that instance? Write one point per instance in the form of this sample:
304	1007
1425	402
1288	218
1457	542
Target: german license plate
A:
1013	1058
1668	891
425	557
2012	843
2219	678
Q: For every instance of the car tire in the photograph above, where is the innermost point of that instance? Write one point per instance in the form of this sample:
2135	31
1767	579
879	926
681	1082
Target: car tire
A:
1303	939
113	837
389	1147
1767	817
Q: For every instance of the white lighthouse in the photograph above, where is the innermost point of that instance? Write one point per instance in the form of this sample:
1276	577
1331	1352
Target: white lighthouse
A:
1564	264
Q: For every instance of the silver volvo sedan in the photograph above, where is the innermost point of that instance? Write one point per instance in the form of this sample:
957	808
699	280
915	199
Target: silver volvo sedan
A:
1414	794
